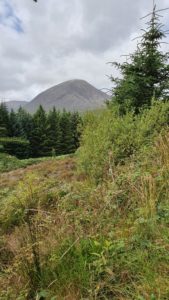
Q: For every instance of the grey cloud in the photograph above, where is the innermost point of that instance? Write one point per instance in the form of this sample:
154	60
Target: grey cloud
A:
64	40
108	23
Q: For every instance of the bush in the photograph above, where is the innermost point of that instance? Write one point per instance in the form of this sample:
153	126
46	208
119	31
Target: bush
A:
109	139
151	122
106	139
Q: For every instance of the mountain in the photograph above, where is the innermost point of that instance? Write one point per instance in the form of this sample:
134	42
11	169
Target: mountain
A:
73	95
15	104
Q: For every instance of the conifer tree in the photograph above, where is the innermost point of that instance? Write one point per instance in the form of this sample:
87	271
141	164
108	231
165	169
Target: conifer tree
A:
75	121
8	142
14	128
4	120
42	134
25	123
66	133
53	132
38	136
146	74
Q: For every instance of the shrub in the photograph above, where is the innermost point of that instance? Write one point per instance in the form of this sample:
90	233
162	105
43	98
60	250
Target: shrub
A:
106	139
109	139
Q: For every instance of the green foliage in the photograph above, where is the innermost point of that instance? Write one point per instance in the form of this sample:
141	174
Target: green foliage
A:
145	74
3	132
14	127
99	234
75	124
4	117
53	133
106	139
109	139
68	264
25	123
15	146
152	121
39	135
66	238
9	163
67	142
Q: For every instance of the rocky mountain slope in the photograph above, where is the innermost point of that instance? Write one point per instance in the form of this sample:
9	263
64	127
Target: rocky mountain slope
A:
73	95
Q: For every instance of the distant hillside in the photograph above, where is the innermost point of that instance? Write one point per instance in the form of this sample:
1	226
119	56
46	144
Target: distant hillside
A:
15	104
73	95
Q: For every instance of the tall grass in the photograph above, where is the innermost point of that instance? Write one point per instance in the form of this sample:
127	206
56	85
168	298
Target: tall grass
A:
101	235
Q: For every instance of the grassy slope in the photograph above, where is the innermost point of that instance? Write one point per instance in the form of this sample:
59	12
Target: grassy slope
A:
64	238
9	163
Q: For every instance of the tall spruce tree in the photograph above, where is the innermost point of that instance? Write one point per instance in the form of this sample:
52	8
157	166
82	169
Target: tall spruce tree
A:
67	142
14	128
146	74
75	121
53	133
25	123
38	138
4	120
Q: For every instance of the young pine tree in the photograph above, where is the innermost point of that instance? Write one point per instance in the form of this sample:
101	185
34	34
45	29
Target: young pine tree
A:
146	74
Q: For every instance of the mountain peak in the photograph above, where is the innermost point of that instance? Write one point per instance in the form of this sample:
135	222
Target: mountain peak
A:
72	95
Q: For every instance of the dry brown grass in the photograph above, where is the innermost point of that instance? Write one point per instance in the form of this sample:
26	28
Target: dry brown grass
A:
62	169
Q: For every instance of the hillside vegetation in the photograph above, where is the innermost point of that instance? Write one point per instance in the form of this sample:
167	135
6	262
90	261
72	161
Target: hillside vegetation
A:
96	232
95	226
9	163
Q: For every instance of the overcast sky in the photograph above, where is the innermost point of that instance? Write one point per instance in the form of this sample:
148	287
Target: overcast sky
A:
52	41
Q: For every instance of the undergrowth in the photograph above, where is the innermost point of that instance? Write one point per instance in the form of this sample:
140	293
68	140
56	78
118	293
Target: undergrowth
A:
101	233
9	163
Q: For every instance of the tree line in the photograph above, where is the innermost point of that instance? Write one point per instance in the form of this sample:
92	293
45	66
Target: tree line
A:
41	134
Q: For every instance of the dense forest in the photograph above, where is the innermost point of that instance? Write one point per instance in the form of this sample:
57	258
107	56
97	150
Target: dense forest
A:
24	135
